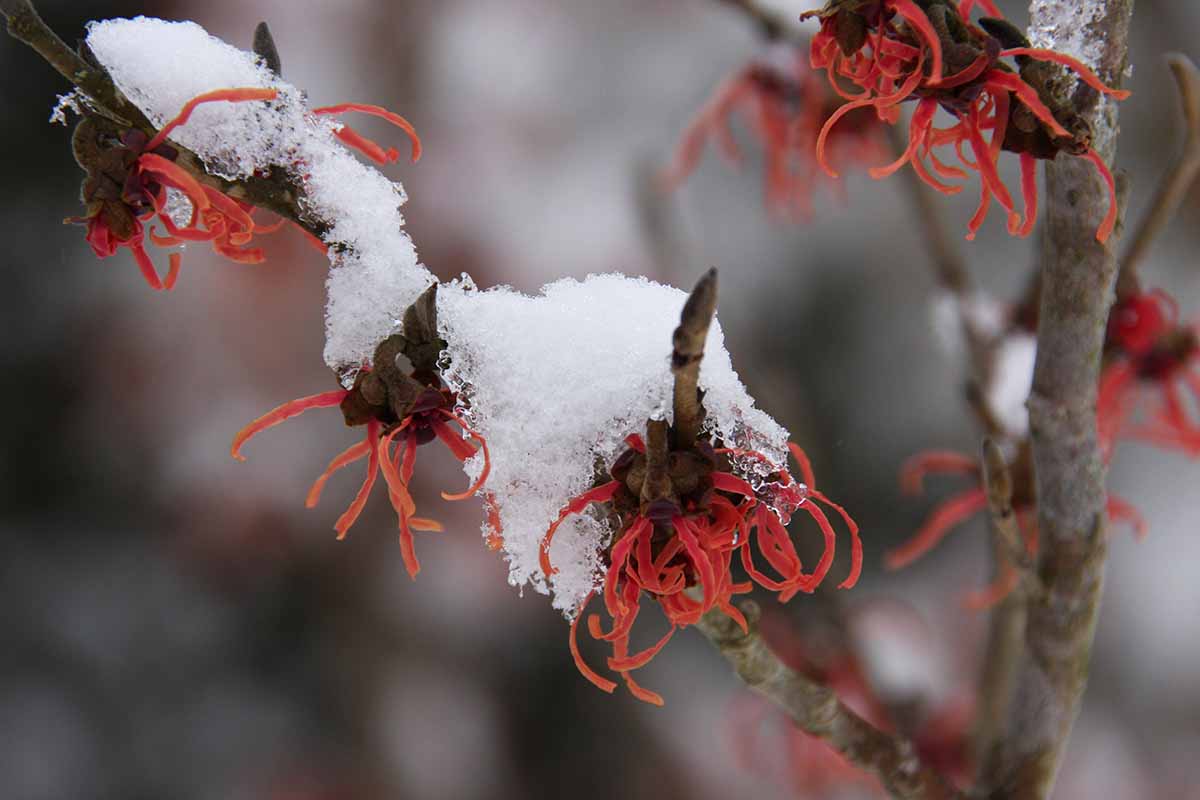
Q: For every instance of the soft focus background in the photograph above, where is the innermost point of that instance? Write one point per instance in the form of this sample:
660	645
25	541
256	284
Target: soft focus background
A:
176	625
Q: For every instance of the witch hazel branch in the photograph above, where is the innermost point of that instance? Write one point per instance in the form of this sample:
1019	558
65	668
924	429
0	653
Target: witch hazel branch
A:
528	392
618	458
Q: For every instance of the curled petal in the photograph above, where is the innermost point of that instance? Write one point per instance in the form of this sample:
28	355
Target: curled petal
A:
226	95
945	517
641	659
601	494
1110	218
914	470
381	112
1121	510
856	547
1085	74
1030	193
916	17
603	684
487	460
1005	581
144	263
282	413
1008	82
347	457
350	515
725	482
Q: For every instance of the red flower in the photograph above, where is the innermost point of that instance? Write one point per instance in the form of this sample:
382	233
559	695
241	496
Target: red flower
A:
116	219
962	506
687	537
428	417
1148	348
785	110
146	170
864	46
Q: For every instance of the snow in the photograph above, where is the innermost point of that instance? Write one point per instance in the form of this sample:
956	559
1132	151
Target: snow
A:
1074	27
375	273
1011	382
555	383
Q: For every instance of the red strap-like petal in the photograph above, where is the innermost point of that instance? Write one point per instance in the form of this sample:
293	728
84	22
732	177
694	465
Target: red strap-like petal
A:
381	112
946	516
226	95
281	413
350	515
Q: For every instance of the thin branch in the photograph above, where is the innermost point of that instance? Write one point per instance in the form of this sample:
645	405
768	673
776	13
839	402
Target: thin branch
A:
997	480
817	711
1007	625
773	26
1078	279
274	192
1175	183
689	341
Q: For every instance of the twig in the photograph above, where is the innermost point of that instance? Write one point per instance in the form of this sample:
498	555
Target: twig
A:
816	710
773	26
688	350
1078	278
998	481
1175	183
274	192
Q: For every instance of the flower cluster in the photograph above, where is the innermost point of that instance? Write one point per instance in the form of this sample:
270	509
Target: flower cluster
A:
786	110
399	410
680	515
966	504
130	176
1148	348
893	51
127	185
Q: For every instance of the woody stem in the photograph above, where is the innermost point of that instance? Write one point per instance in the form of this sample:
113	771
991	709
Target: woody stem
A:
1078	279
816	710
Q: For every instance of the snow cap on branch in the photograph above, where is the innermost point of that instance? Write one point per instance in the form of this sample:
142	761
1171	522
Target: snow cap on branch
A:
375	274
556	382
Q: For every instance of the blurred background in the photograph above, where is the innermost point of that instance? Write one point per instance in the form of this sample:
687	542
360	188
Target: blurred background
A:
177	625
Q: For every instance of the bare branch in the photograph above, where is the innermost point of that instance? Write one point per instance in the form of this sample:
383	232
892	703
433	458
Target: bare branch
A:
997	480
773	26
25	25
816	710
689	341
1175	183
1078	278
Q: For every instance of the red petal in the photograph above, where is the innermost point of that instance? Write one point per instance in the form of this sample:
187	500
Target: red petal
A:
945	517
350	515
228	95
284	412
